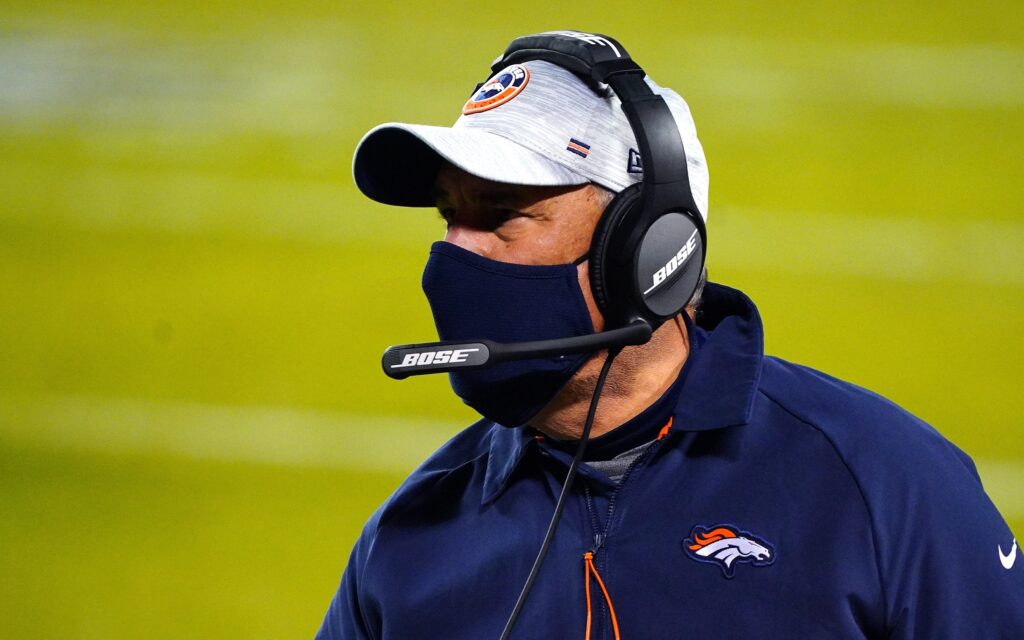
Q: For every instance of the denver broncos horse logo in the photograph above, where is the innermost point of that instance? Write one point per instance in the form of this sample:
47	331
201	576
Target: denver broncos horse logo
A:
727	546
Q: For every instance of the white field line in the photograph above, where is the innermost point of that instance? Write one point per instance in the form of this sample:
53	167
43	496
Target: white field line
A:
1004	483
98	76
302	80
268	435
291	437
771	72
195	203
887	248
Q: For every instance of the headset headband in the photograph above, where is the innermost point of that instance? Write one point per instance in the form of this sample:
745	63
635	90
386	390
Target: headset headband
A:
599	59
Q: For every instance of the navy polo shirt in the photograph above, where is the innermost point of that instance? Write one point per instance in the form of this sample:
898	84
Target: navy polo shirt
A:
782	503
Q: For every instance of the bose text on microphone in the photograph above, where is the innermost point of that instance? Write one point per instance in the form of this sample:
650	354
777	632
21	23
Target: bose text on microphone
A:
434	357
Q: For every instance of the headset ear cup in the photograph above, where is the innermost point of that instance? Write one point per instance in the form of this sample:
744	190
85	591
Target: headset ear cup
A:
670	259
608	300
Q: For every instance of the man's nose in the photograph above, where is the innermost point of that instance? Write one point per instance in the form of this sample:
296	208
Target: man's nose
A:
480	241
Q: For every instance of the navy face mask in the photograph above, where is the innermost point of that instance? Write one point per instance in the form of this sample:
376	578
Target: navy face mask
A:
476	297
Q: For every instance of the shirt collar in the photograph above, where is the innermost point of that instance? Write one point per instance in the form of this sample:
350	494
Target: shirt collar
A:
718	392
722	384
507	449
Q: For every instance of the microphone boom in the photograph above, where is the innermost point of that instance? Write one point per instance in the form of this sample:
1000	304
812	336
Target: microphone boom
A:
407	360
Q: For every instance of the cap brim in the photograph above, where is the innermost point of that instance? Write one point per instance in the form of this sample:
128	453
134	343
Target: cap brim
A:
397	163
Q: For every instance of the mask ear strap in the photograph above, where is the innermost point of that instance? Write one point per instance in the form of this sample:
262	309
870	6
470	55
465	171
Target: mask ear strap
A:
580	260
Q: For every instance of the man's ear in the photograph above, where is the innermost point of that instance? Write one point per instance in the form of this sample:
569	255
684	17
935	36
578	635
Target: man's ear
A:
693	306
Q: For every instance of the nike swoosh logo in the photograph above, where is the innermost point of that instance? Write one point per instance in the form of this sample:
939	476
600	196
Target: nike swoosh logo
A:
1009	558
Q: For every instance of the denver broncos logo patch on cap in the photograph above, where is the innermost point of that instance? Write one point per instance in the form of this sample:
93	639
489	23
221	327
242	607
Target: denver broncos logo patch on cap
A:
502	87
727	546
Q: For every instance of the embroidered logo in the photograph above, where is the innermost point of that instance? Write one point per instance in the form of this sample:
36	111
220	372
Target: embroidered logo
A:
727	546
633	165
581	149
505	85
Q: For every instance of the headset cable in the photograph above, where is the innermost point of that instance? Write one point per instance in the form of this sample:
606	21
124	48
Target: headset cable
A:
560	505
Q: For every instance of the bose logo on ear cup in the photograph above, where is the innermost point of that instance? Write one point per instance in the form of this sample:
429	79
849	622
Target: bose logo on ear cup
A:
685	253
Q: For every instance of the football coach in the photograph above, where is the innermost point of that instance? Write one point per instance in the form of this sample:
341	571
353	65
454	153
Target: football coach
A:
641	469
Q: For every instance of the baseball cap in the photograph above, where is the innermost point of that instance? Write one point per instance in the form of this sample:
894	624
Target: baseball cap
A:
533	123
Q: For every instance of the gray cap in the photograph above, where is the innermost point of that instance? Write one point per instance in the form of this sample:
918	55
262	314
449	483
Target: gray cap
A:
532	123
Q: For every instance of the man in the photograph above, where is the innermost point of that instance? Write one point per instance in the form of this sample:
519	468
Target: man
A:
724	493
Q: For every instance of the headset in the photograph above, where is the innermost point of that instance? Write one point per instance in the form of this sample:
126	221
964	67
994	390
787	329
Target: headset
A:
646	255
648	250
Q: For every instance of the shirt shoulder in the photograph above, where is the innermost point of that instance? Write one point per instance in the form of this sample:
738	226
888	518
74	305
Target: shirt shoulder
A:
439	480
867	430
447	474
930	518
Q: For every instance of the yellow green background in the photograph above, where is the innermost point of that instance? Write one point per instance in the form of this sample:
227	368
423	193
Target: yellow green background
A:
194	297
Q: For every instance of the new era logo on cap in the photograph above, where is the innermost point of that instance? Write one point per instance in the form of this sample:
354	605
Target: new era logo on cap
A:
633	165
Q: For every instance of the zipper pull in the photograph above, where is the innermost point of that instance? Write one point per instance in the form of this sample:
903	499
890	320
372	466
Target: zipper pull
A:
598	542
591	570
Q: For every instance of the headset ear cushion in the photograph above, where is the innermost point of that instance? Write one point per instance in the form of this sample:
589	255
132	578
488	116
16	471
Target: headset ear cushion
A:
604	240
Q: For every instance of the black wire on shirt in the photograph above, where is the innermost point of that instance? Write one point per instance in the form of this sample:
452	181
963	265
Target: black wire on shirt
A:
560	505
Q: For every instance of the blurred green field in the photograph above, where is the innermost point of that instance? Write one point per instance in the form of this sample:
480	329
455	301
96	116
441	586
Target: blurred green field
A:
194	297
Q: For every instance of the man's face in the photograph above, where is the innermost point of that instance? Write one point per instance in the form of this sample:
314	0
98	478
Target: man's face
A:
521	224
